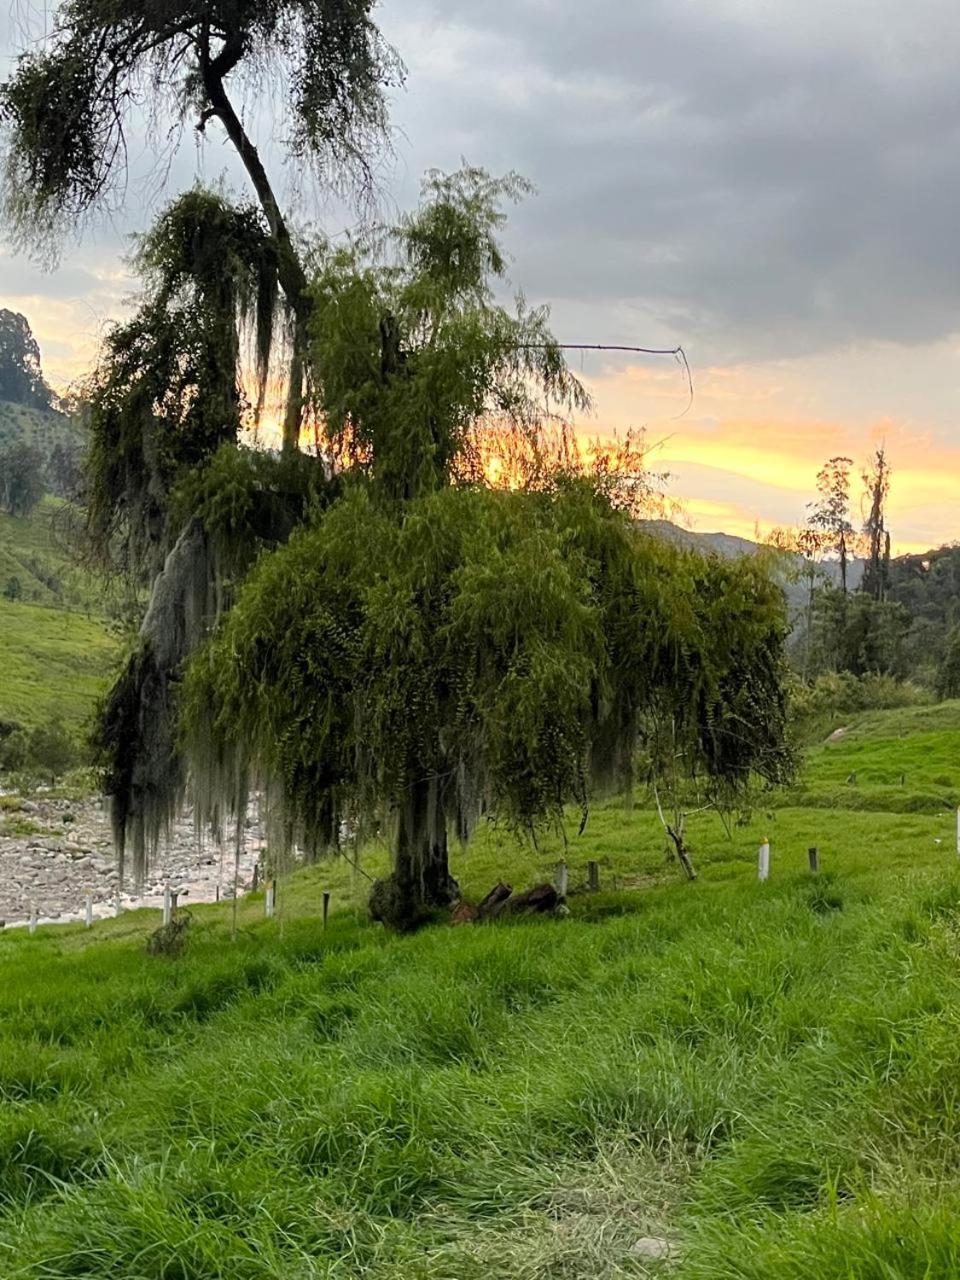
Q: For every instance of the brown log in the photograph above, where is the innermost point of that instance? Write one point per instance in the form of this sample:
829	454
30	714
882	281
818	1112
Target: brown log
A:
492	904
541	898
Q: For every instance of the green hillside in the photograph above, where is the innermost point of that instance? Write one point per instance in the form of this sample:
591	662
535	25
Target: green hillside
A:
41	428
759	1077
906	760
56	651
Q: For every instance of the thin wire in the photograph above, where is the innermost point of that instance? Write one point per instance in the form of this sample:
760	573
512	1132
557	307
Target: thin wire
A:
678	354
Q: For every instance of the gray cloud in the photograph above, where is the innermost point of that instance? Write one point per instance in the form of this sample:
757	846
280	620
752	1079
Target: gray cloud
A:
754	179
765	180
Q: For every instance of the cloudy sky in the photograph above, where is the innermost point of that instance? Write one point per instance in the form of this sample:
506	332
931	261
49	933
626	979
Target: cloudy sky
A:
772	183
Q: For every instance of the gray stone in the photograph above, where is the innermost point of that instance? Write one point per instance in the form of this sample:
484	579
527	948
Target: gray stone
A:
653	1248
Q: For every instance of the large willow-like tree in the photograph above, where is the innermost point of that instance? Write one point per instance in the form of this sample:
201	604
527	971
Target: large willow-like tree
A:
367	631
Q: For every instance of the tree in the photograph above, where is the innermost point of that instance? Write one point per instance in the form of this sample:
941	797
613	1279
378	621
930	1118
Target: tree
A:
21	379
876	482
948	673
51	750
452	648
490	653
859	634
67	109
830	514
65	469
21	479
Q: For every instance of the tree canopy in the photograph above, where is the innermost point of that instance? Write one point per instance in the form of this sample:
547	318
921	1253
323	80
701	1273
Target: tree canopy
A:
21	377
489	652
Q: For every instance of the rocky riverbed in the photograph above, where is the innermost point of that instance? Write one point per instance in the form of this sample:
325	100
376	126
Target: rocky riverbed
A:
54	852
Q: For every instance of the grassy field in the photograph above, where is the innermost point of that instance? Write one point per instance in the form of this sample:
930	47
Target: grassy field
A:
56	652
766	1076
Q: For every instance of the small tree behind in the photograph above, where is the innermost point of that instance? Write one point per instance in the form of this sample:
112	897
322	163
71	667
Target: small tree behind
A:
876	482
830	514
21	479
948	673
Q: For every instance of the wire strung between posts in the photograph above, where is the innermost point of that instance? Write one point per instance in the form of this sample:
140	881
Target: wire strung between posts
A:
678	354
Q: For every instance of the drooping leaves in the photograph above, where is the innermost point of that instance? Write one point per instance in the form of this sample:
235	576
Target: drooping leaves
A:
67	109
505	647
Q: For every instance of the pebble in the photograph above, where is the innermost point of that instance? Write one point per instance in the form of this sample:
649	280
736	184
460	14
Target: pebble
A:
55	875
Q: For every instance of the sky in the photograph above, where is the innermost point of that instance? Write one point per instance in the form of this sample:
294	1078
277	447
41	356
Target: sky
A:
772	183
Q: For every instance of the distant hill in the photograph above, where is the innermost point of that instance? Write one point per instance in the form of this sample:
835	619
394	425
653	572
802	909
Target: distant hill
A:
730	546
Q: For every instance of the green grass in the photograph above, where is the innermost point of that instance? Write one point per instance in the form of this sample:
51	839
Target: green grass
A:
765	1074
901	761
56	652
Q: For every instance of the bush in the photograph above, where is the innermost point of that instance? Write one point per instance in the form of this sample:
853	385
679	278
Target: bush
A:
13	752
818	708
51	750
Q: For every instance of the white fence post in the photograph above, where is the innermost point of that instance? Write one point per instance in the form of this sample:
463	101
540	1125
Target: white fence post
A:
88	911
763	861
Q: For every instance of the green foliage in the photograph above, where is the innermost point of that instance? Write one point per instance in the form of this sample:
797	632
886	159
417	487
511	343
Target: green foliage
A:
14	751
66	107
21	479
499	647
168	390
13	589
51	750
246	500
858	634
948	673
830	701
21	378
413	359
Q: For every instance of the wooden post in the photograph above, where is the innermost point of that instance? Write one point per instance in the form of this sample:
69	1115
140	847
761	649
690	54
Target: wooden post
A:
167	904
561	879
217	898
33	920
270	899
256	876
814	855
763	861
174	897
89	911
326	906
593	876
903	779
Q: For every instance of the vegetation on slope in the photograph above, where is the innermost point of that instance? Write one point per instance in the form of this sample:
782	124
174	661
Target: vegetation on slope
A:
57	651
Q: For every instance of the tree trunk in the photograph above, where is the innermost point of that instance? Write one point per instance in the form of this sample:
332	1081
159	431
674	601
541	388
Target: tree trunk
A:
421	884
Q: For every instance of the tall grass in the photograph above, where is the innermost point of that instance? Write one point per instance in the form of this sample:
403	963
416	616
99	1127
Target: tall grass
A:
766	1075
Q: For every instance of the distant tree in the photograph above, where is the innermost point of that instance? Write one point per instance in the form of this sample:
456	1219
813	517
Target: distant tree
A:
51	750
13	589
876	482
948	673
64	469
21	379
21	479
830	514
14	749
858	634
